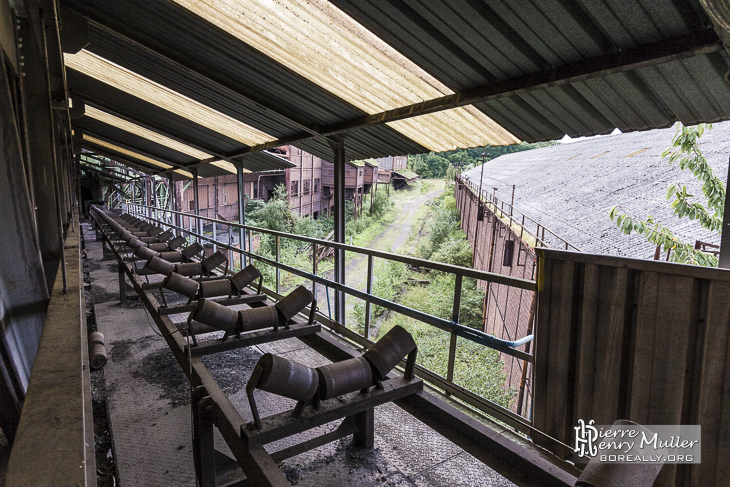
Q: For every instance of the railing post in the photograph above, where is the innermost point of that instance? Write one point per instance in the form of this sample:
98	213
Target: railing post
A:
215	234
278	272
455	319
369	290
196	199
241	186
314	269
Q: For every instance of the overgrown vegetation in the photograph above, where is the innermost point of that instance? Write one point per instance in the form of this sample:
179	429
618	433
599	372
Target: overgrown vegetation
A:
435	165
476	367
686	152
275	215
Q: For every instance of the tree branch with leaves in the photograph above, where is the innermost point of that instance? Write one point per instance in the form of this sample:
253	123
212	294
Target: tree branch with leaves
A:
686	153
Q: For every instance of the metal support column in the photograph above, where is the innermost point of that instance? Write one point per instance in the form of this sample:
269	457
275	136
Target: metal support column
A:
338	148
196	199
241	185
175	217
725	239
155	199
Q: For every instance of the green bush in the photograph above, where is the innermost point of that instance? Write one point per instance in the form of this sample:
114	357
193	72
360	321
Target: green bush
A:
389	284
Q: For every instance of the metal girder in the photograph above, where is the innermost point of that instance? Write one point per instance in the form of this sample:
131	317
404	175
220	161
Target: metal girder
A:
92	161
105	160
119	190
138	167
101	172
673	49
667	50
241	187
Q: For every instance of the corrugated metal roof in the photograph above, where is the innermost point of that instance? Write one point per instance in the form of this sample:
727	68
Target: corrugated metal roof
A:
570	188
326	46
296	71
468	44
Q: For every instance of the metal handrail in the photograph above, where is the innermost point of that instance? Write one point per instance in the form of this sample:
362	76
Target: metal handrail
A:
439	266
453	327
499	205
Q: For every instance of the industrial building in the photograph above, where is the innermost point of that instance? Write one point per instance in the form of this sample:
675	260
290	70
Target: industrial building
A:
181	90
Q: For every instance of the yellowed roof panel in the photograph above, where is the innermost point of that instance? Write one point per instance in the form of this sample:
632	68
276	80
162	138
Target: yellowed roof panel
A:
227	166
157	94
126	152
184	173
326	46
135	129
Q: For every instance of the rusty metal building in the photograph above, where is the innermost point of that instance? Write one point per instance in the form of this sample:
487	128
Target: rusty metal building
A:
183	90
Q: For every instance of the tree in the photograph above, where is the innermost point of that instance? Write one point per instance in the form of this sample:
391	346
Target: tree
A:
685	150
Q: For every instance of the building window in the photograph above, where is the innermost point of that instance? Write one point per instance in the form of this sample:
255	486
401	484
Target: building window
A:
316	185
294	188
192	205
305	187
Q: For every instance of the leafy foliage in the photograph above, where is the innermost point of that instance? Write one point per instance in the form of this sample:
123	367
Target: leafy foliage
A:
686	152
433	165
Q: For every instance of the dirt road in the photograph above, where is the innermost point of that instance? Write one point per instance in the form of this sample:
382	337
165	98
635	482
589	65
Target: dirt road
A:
392	238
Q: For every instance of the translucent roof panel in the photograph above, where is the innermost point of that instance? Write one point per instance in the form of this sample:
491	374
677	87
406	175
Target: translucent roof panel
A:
135	129
326	46
126	152
132	83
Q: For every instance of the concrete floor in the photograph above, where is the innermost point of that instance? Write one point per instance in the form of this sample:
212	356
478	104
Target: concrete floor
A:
148	402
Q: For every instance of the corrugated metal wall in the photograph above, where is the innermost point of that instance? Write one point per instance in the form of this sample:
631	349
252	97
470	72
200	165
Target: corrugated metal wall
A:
641	340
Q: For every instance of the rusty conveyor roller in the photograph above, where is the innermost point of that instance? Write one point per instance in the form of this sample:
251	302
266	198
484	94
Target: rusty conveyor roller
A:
246	276
214	315
190	269
181	284
390	350
218	287
283	377
294	302
334	380
159	266
144	253
343	377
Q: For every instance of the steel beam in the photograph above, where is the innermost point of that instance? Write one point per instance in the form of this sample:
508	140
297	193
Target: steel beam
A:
241	186
666	50
102	172
338	149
